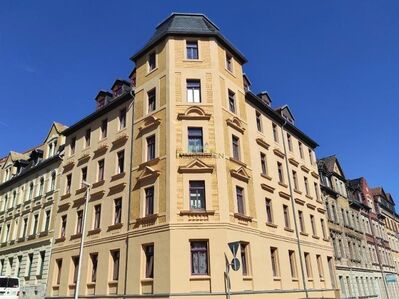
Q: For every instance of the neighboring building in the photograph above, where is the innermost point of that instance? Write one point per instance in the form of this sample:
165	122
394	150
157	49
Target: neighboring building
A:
97	151
357	268
28	200
385	233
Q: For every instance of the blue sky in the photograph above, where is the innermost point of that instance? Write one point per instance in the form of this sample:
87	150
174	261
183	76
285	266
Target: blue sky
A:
336	63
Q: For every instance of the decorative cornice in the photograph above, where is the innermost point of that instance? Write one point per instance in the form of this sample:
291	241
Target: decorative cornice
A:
262	143
236	124
194	113
240	174
196	166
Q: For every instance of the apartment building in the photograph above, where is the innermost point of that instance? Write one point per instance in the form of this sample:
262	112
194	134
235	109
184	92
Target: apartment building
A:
386	238
347	220
96	164
201	163
29	192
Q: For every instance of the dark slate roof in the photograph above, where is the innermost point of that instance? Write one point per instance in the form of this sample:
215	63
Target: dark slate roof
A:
191	24
276	117
328	164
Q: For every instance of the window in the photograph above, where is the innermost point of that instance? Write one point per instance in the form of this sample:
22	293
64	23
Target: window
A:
232	101
118	211
68	184
149	261
236	147
52	182
291	255
19	266
240	200
87	137
195	141
263	163
331	270
320	266
323	229
94	263
122	119
275	133
300	149
35	223
151	61
308	265
24	227
193	91
151	148
229	62
100	170
30	264
192	49
301	221
295	179
41	187
79	222
47	220
115	264
199	257
121	162
305	180
289	141
316	191
286	216
259	121
244	259
42	259
63	225
104	125
97	216
149	201
73	145
269	211
197	195
314	232
30	193
75	261
311	156
280	172
151	95
83	177
274	258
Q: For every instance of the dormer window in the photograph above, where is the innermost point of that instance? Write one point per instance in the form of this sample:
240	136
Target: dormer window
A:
229	62
151	61
192	49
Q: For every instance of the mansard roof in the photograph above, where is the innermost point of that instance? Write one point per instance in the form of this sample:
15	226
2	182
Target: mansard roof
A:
328	163
188	24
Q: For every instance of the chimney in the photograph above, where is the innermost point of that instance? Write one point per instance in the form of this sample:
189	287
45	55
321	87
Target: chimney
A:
102	99
120	87
264	96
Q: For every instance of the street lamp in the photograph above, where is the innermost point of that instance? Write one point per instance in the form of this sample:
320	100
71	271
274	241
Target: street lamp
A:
82	238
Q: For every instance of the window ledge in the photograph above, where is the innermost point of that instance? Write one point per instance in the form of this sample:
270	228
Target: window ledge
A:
230	72
271	224
247	278
80	190
276	278
147	279
60	239
66	195
325	239
149	72
200	277
197	212
98	184
297	191
295	279
192	60
115	226
316	237
76	236
240	216
266	176
94	231
238	162
148	218
283	184
304	234
308	196
42	234
91	284
288	229
117	176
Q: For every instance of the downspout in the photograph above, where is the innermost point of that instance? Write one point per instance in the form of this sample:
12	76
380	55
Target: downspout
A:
294	211
129	189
